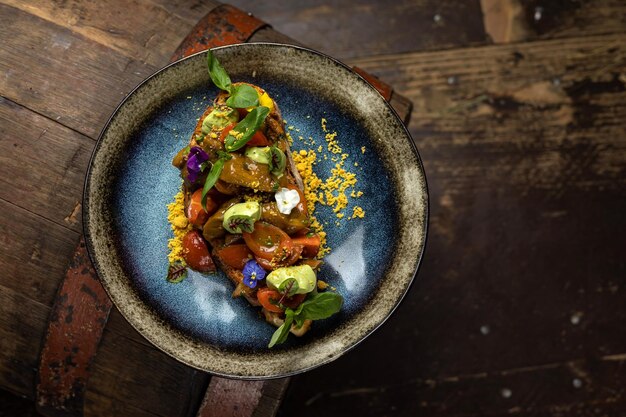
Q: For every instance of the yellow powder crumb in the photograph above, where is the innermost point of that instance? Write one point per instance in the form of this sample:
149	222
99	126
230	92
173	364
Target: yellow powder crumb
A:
180	226
324	125
321	285
356	164
180	222
362	149
253	197
358	212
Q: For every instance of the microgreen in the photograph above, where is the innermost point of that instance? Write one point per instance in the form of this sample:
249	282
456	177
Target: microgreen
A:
217	73
243	131
176	272
243	96
280	335
316	307
212	178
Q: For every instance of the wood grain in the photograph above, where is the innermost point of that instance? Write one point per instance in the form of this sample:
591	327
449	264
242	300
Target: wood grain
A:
347	30
42	165
76	82
521	290
525	152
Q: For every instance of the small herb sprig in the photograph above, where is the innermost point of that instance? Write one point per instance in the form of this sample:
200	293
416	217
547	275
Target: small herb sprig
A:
245	129
214	175
241	96
317	307
177	272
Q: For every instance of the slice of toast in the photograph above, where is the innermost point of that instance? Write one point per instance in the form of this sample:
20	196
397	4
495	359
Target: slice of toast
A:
274	130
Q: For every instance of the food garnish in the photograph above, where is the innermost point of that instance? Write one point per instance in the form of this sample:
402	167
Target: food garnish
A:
245	209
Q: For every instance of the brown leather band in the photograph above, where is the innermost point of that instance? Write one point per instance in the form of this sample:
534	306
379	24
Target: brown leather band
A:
224	25
78	317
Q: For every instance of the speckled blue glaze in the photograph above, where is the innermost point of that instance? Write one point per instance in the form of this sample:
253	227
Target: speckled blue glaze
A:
201	306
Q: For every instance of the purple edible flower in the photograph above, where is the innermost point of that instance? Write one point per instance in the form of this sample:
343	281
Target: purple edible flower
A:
252	272
197	157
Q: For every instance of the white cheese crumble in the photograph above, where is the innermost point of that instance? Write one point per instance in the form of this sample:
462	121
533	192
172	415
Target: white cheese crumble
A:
286	200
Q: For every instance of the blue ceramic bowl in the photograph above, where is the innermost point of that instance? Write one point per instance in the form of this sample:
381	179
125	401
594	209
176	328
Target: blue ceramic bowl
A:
131	181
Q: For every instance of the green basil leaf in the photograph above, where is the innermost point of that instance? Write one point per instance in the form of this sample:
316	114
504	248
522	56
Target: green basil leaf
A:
243	96
280	335
211	179
321	306
299	321
245	129
217	73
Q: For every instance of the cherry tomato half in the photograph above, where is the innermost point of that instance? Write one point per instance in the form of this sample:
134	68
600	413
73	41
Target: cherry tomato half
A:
235	256
258	139
269	299
195	213
268	242
196	252
225	131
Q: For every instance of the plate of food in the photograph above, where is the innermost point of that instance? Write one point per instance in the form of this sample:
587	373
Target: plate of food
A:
255	210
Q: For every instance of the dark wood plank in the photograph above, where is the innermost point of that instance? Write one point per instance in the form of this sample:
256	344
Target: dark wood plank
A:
346	30
21	324
141	377
14	405
42	165
549	389
34	253
62	75
567	18
142	31
525	152
508	21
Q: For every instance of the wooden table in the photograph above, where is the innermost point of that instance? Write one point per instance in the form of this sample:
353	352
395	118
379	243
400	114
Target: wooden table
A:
520	119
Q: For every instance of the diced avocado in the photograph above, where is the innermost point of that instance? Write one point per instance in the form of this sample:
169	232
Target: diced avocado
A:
241	217
219	118
259	154
303	277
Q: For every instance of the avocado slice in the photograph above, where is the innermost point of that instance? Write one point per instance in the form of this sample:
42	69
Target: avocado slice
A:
241	217
302	276
219	118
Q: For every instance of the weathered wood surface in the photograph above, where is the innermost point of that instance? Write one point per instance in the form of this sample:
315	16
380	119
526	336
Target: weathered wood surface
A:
520	306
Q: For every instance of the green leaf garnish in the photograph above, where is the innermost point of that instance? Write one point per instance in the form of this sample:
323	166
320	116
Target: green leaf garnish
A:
217	73
176	272
243	96
243	131
320	306
280	335
211	179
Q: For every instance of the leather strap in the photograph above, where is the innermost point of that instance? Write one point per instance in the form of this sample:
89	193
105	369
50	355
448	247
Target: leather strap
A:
224	25
78	317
